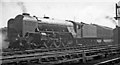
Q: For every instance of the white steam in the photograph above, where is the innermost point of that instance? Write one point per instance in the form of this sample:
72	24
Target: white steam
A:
3	37
111	19
23	8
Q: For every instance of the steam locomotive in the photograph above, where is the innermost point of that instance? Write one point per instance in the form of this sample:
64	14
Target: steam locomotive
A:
31	32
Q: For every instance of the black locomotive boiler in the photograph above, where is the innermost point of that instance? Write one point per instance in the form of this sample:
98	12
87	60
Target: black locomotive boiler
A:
30	32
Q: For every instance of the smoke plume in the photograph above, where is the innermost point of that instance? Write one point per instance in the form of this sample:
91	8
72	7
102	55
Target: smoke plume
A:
3	37
111	19
22	5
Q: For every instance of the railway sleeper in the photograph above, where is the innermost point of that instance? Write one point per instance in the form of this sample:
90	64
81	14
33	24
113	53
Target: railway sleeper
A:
74	56
67	56
60	58
34	61
11	63
23	62
52	59
44	60
97	57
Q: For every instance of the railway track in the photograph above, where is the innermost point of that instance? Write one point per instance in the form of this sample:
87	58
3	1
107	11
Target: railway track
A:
57	55
114	61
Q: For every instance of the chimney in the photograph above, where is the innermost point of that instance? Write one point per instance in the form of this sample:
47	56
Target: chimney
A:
26	14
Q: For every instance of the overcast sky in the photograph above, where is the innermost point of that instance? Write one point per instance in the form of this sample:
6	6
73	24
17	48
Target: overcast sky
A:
88	11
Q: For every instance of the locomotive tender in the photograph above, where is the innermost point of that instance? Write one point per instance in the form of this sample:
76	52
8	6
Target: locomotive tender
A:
28	32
